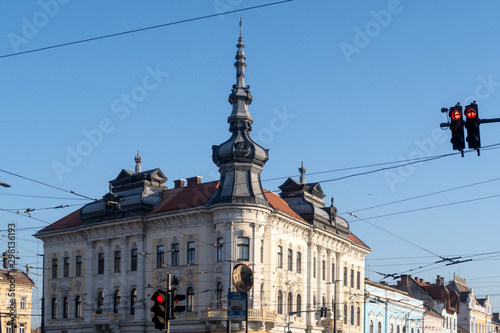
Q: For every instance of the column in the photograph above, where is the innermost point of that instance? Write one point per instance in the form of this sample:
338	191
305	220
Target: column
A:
124	269
140	305
107	307
89	270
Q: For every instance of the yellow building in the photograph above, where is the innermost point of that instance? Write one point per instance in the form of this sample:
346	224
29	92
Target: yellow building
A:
15	301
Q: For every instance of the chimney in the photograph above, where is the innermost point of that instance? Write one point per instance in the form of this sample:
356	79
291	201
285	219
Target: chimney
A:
422	280
438	280
193	180
27	270
179	183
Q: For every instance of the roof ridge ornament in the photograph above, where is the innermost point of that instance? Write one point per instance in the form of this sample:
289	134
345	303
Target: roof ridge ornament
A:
138	161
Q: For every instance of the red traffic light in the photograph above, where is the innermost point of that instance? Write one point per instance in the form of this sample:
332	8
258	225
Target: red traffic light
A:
455	114
471	113
160	298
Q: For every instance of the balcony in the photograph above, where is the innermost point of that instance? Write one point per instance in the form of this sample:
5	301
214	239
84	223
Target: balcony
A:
258	319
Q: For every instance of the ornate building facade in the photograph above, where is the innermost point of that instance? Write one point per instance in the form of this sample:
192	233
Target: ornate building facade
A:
110	256
15	293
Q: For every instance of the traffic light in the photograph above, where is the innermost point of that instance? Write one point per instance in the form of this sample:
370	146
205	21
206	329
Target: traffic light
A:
457	127
175	308
159	308
472	126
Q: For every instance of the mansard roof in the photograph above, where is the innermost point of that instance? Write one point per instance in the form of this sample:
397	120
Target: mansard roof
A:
191	196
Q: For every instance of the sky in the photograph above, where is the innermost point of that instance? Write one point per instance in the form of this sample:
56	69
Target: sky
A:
352	89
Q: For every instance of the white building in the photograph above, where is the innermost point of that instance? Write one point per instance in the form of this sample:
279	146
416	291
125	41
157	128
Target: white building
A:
109	257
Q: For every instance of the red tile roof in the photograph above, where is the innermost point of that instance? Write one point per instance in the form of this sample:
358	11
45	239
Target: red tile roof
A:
20	276
189	197
69	221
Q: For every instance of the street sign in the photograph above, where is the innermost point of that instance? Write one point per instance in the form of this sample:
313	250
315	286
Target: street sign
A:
237	307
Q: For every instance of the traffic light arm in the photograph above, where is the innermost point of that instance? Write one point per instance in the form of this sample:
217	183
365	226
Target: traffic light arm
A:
481	121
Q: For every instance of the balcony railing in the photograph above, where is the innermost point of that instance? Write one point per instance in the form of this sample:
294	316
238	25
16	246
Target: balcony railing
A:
253	314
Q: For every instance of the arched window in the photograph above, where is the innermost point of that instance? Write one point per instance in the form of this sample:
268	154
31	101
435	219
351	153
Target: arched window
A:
379	327
371	326
220	249
118	261
280	302
133	299
78	307
54	268
160	256
404	329
392	328
191	253
117	298
412	330
243	248
133	259
100	301
100	263
398	329
345	313
290	302
190	299
358	317
352	315
54	308
65	307
219	296
299	302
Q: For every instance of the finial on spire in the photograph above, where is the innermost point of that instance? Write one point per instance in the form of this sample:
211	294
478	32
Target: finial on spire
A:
138	160
240	24
302	171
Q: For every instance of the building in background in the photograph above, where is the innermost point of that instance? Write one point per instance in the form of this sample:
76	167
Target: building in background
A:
21	294
390	310
475	313
438	299
108	258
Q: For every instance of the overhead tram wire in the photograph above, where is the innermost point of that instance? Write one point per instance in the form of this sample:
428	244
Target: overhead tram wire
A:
143	29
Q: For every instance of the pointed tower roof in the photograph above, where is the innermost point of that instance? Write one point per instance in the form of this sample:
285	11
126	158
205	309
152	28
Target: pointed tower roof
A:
240	159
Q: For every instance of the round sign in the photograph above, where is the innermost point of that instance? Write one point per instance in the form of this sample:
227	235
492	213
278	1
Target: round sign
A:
242	278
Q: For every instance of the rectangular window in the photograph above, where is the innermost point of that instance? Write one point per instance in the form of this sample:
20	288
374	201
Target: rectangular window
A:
299	263
100	263
78	307
358	281
118	261
23	302
243	248
191	253
220	249
314	267
54	268
333	272
290	260
66	267
280	257
345	276
21	328
133	260
78	266
175	254
160	256
323	269
352	278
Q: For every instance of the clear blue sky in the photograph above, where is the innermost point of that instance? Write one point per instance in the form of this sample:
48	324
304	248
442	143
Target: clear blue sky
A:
336	84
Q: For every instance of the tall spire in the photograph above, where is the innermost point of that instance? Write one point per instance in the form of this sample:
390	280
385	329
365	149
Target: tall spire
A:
302	171
240	159
138	160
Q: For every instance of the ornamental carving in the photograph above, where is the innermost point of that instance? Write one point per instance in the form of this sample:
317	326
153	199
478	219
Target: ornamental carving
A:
242	149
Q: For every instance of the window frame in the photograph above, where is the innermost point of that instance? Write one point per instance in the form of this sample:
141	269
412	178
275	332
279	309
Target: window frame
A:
290	260
118	261
160	256
175	254
243	245
220	249
280	256
54	268
78	265
191	253
66	267
133	260
100	263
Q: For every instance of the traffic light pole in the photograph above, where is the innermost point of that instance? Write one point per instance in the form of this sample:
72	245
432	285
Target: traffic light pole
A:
167	309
